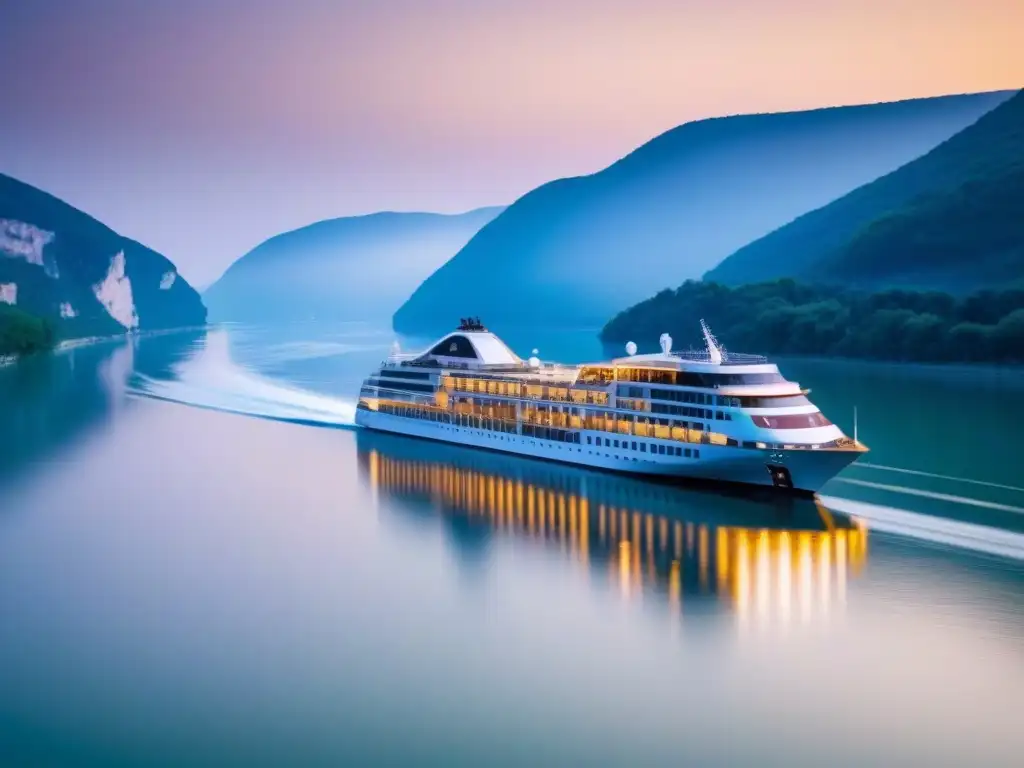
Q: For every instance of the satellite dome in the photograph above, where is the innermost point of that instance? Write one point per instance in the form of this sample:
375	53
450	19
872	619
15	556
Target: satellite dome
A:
630	348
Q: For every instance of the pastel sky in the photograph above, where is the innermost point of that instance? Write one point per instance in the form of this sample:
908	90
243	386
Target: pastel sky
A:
201	127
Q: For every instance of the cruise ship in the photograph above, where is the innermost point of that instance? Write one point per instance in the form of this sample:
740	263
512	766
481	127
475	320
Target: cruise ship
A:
702	415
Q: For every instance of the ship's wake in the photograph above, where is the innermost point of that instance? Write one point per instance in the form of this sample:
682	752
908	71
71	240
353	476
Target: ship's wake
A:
211	379
938	531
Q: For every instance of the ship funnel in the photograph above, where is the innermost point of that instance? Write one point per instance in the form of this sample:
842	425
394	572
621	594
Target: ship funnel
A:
666	343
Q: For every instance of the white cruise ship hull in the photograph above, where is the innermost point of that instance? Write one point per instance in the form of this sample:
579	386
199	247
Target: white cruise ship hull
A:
802	470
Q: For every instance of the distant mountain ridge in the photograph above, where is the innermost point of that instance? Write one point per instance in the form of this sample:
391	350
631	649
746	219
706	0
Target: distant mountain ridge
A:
60	264
952	219
349	268
574	251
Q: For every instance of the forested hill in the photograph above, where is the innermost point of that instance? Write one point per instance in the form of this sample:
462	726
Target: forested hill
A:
22	333
574	251
952	219
785	317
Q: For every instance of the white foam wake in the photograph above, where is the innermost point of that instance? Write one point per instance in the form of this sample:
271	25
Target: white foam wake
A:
951	478
954	498
937	530
211	379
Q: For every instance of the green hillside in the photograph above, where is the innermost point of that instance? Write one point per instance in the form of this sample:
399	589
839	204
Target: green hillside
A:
574	251
785	317
22	333
952	219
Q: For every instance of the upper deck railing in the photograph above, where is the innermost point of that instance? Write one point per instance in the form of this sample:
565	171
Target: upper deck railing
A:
728	358
690	355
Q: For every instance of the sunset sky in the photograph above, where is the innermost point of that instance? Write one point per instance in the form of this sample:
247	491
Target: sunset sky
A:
201	127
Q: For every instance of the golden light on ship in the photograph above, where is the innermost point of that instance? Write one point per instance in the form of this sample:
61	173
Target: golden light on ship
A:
768	576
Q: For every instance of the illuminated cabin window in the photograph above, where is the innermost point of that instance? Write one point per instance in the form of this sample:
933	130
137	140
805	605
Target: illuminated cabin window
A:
596	375
705	380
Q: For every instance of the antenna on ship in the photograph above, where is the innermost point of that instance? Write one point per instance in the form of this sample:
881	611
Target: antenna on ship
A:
714	351
855	423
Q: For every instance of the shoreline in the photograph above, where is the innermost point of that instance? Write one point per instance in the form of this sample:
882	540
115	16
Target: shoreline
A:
87	341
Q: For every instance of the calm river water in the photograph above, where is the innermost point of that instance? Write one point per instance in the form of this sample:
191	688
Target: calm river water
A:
184	585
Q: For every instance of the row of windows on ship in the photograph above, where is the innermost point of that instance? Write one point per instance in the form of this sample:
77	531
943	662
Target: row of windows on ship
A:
501	416
632	397
784	421
544	431
605	375
705	379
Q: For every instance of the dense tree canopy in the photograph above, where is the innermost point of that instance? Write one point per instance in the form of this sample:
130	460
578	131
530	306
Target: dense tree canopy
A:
951	220
22	333
786	317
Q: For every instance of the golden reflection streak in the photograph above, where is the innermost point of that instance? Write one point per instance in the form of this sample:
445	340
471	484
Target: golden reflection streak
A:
722	558
841	566
573	525
624	559
741	578
825	572
561	520
584	531
530	508
804	566
784	578
702	556
764	569
675	589
373	470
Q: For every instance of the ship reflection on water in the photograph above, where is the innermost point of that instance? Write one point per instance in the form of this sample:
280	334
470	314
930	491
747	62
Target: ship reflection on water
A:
769	561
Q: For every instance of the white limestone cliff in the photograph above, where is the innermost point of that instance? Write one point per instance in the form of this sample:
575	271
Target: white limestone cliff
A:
20	240
115	294
8	293
67	311
167	280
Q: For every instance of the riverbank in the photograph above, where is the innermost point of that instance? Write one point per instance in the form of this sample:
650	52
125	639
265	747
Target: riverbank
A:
88	341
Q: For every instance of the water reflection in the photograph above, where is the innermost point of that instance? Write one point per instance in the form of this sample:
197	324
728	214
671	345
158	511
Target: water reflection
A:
774	562
49	402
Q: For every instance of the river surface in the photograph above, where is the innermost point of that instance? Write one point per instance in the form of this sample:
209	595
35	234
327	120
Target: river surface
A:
203	563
